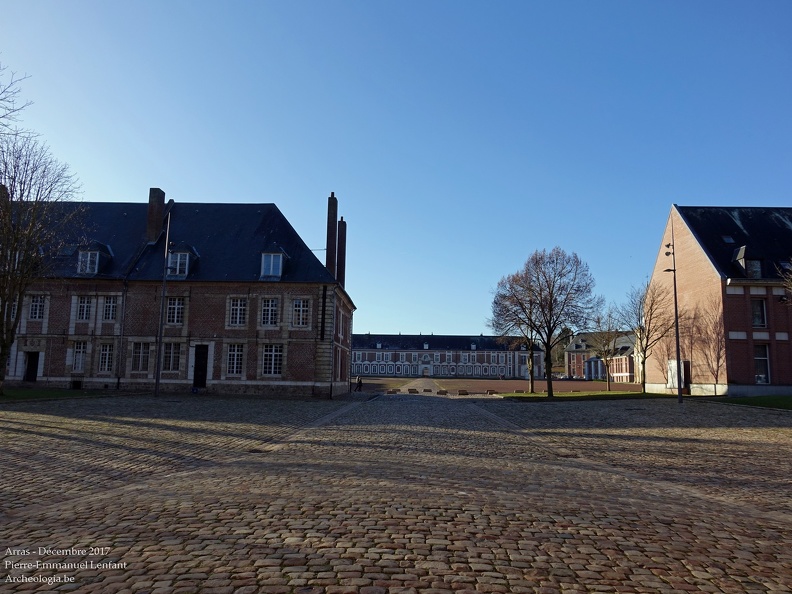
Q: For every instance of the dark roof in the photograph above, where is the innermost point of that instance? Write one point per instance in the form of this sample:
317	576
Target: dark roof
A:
227	238
415	342
764	232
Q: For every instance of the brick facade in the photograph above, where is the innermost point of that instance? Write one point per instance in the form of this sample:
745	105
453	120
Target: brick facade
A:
266	336
705	278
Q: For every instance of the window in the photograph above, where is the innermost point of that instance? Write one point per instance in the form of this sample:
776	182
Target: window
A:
83	309
300	312
237	315
110	308
140	356
758	313
106	358
269	312
179	263
235	359
171	357
762	364
271	265
80	350
273	359
88	263
753	268
37	307
175	311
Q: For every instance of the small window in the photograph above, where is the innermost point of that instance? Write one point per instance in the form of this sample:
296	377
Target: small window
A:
110	308
762	364
37	307
178	263
88	263
237	315
269	312
727	238
300	313
758	313
140	356
272	363
83	309
271	265
106	358
753	268
171	359
80	350
175	312
235	359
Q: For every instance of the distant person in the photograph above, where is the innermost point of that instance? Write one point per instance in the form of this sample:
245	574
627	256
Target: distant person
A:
359	384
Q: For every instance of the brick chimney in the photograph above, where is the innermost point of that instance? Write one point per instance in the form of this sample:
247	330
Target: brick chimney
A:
332	229
156	210
341	264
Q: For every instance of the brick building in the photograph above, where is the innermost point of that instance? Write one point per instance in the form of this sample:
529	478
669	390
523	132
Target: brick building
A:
244	307
430	355
729	261
580	360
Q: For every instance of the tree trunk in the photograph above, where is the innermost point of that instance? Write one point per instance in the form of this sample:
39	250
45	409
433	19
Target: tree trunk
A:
549	373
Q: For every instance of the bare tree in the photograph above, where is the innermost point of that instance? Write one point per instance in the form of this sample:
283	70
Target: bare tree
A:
649	313
510	321
604	338
33	224
10	105
554	290
711	339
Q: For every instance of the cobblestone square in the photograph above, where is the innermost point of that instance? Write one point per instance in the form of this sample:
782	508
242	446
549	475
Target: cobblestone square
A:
393	494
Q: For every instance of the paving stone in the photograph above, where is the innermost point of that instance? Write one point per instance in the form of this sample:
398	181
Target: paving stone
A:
403	494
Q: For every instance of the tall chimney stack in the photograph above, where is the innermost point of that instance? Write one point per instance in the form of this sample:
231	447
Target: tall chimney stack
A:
156	208
342	233
332	218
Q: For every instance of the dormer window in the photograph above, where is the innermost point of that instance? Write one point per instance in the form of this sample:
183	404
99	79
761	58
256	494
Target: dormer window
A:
753	268
271	265
178	263
88	263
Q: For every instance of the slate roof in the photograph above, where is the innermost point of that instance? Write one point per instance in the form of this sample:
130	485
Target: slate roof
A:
227	238
765	232
415	342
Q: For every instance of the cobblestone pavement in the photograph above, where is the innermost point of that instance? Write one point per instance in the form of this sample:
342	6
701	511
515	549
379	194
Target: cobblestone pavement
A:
400	494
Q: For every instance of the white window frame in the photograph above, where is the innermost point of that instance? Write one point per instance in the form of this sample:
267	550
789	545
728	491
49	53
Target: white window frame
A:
110	310
84	306
175	311
141	353
178	263
37	305
271	265
272	359
301	312
759	323
235	359
171	356
88	262
80	354
766	360
106	357
270	310
237	312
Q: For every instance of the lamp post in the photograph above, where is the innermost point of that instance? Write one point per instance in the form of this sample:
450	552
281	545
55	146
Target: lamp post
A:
671	252
160	329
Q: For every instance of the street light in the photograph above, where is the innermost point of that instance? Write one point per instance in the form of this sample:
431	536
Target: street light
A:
165	270
671	252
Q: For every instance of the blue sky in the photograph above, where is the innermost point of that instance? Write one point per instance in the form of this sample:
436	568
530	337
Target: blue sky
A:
458	136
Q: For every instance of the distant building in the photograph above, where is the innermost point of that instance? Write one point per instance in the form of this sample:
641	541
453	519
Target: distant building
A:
580	360
430	355
247	306
730	262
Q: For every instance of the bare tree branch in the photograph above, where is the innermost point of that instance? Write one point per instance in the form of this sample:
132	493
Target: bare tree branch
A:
33	224
10	105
